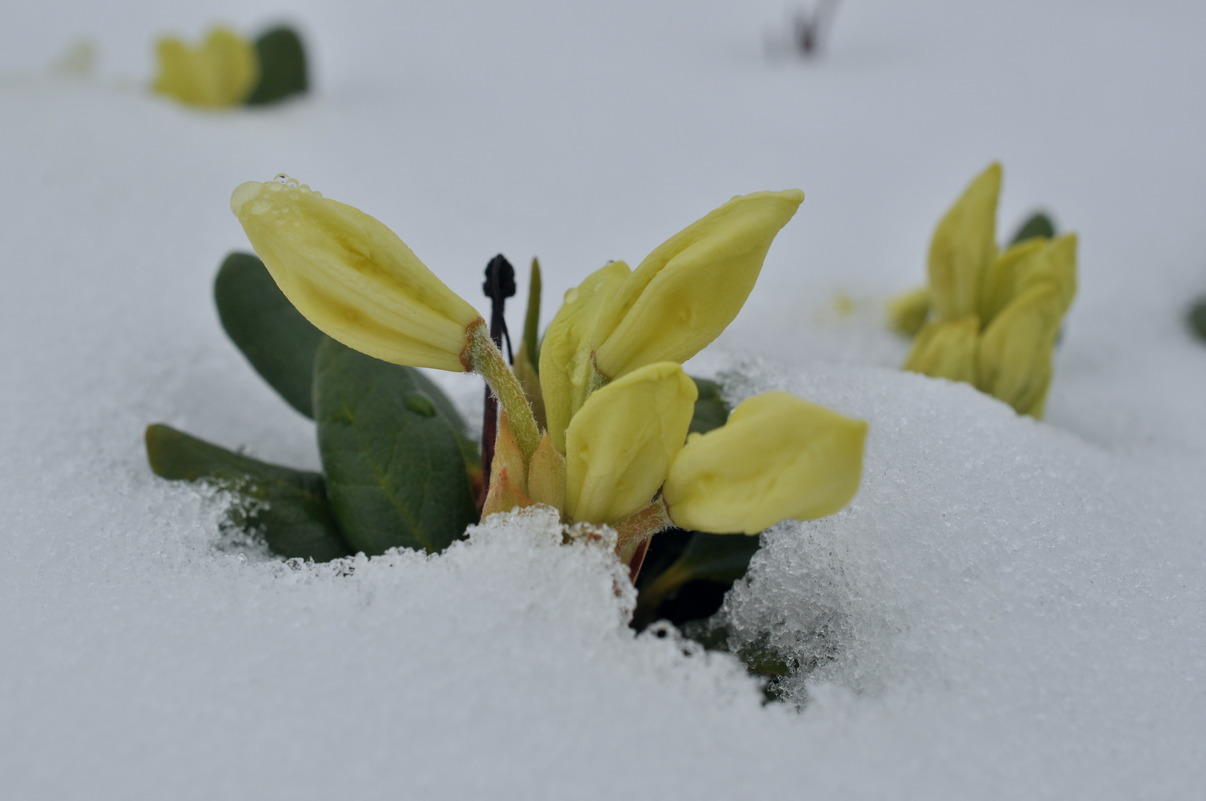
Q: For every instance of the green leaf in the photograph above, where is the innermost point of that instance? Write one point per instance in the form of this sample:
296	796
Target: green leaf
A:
287	507
282	67
443	405
710	409
396	475
275	338
692	586
1037	225
531	320
1197	319
717	557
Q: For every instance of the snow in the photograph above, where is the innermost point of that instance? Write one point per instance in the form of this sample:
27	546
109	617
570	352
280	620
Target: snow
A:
1015	608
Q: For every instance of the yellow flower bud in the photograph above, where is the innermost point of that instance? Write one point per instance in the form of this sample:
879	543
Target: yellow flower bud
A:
691	286
221	71
1029	264
907	313
1001	280
620	444
964	247
1054	266
353	278
565	353
947	350
1017	349
778	457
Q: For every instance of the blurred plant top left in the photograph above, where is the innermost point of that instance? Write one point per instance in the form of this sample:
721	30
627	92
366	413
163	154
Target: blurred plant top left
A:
226	69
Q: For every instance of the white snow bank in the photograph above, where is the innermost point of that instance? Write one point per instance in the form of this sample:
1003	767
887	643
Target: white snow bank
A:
1027	605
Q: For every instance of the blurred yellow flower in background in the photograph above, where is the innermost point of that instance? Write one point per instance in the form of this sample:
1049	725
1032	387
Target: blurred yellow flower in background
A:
220	72
989	317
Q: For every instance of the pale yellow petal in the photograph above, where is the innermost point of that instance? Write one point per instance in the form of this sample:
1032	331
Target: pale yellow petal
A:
1027	265
964	246
621	442
1017	348
1003	276
947	350
691	286
353	278
778	457
1059	267
907	313
565	353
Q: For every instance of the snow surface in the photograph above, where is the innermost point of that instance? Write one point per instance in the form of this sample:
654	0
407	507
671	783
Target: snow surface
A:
1014	609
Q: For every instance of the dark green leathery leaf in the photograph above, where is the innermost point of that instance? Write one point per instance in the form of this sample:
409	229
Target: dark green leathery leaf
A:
273	336
711	411
287	507
702	572
1036	225
395	469
1197	319
283	70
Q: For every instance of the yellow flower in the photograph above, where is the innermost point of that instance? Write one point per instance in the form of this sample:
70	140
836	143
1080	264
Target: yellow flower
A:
964	246
221	71
994	316
907	314
620	444
777	458
354	279
1017	350
1028	264
691	286
947	350
565	354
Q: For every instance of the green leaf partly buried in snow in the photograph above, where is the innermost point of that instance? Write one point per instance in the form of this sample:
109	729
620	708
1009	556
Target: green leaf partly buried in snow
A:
691	585
710	409
396	472
1197	319
275	338
283	71
1036	225
287	507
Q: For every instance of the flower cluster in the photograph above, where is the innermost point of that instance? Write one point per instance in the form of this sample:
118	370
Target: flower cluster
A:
990	317
227	69
221	71
602	433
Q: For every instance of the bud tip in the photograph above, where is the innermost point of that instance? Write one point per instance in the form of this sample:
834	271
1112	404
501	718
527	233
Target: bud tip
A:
242	194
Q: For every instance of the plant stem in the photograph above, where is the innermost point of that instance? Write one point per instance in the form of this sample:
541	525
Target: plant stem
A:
638	527
488	362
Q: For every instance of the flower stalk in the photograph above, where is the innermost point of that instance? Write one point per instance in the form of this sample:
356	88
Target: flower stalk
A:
483	357
639	527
